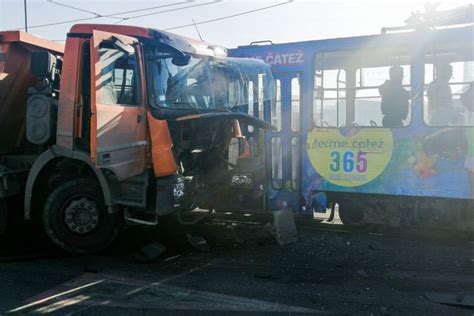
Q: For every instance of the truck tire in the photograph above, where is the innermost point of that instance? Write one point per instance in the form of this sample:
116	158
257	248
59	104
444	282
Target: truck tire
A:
76	220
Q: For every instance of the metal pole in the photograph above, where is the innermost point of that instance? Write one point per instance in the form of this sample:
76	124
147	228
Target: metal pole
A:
26	16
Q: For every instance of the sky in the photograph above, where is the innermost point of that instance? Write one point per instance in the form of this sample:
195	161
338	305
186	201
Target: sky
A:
294	21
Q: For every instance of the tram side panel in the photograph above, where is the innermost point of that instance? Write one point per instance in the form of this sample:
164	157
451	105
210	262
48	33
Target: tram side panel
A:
420	173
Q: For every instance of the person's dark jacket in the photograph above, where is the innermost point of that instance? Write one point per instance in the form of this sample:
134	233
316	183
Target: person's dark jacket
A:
395	101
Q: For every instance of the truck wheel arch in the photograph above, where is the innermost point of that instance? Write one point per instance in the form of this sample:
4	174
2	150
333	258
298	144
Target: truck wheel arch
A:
48	157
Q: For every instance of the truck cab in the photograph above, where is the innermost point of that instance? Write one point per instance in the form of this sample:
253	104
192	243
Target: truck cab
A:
128	124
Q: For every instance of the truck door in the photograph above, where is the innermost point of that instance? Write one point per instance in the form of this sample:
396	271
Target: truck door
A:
118	121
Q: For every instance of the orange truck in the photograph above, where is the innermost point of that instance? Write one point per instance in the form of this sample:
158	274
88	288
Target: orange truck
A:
124	125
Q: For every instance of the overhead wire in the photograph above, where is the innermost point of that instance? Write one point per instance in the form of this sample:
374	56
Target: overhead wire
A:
155	7
58	23
114	15
74	8
170	10
97	15
229	16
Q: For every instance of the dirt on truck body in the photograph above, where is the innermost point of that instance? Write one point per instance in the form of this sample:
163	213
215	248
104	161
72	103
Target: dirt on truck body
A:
124	125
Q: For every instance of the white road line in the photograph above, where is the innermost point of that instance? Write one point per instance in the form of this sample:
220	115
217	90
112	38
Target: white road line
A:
18	309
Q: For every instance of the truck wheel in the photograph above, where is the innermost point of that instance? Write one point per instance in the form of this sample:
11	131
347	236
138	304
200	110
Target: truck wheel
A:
75	217
352	215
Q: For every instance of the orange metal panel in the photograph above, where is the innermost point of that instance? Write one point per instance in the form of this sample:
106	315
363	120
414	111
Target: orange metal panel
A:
69	97
134	31
27	38
164	163
15	78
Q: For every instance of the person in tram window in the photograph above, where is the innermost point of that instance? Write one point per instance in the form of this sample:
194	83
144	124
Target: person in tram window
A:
395	99
440	97
467	100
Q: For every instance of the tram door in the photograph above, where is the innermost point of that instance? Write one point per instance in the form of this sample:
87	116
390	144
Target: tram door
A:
283	145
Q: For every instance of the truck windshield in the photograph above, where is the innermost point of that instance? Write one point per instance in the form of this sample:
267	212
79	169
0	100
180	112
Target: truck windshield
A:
204	83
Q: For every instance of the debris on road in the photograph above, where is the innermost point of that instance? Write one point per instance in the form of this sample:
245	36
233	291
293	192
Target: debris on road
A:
198	242
150	252
381	276
458	299
284	227
362	273
267	275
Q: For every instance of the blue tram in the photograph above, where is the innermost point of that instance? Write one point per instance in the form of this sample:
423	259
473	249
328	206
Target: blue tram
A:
405	156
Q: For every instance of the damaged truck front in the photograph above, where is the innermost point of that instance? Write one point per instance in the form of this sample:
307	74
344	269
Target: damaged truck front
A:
131	123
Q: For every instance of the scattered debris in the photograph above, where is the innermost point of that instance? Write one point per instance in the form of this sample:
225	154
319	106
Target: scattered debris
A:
172	258
376	234
284	226
459	299
150	252
198	242
267	275
362	273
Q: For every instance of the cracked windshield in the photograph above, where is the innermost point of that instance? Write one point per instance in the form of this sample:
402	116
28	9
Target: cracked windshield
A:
202	82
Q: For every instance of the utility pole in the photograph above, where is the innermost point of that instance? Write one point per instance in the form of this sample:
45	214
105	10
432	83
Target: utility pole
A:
26	16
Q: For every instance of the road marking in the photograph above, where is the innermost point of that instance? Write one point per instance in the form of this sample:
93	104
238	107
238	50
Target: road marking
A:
171	258
44	300
174	277
152	296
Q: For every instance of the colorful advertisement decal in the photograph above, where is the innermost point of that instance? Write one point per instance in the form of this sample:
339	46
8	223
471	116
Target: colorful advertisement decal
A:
349	157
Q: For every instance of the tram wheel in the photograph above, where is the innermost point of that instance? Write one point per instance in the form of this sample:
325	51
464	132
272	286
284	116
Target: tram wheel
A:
353	215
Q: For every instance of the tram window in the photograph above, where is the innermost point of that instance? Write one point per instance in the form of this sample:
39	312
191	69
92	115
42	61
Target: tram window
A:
277	164
295	162
260	96
375	83
329	104
446	85
276	107
251	104
295	104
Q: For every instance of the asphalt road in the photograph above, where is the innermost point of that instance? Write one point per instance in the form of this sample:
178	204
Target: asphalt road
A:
329	270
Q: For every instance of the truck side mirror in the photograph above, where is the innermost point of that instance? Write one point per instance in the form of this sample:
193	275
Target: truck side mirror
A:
181	60
43	64
124	47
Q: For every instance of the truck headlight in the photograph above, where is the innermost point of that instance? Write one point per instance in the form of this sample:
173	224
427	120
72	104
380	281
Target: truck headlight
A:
178	189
